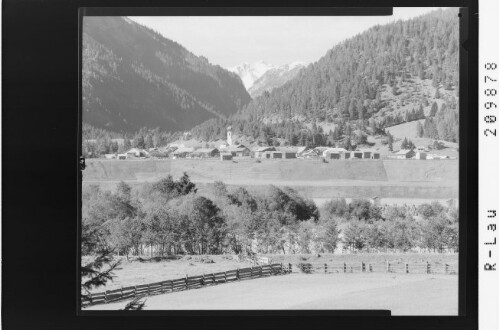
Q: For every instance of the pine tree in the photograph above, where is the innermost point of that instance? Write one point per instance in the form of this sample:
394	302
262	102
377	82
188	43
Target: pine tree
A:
405	144
434	109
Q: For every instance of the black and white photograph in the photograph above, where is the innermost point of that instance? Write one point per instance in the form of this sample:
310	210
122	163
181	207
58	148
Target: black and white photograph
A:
271	162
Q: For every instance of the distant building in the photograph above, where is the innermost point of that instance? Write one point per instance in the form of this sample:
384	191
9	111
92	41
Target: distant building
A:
334	153
229	135
405	154
110	156
376	200
205	153
225	156
420	148
357	154
183	152
261	152
310	153
137	153
238	150
300	151
420	155
287	152
122	156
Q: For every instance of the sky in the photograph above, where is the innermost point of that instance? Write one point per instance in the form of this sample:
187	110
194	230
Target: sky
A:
231	40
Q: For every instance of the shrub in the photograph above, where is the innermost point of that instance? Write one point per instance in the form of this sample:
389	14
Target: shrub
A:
305	267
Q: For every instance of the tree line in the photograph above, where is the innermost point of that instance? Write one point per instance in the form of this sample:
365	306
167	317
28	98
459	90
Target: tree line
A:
171	217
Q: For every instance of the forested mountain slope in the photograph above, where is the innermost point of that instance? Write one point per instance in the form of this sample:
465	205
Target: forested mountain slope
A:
133	77
402	71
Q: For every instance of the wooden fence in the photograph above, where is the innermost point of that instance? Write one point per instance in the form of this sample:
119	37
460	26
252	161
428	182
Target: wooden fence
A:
422	268
185	283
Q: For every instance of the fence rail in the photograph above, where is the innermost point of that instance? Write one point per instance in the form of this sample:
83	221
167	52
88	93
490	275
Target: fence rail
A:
423	268
185	283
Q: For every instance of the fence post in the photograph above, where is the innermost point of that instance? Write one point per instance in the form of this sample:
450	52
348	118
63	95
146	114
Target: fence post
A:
225	277
202	283
171	285
135	291
90	297
290	268
407	268
370	267
237	274
428	270
121	292
446	268
281	268
344	267
363	266
325	268
186	286
387	267
105	297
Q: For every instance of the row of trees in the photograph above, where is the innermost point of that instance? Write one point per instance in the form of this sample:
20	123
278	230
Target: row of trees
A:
170	217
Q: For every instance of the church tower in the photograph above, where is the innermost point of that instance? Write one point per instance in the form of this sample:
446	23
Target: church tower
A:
229	135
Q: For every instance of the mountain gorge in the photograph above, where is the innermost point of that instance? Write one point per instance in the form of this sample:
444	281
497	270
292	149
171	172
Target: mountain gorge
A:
133	77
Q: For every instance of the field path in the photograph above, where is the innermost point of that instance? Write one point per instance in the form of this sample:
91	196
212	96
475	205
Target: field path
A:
403	294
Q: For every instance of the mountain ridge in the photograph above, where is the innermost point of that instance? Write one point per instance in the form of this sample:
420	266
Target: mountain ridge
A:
134	77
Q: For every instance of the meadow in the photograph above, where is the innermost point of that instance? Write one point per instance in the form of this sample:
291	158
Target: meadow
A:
402	294
144	270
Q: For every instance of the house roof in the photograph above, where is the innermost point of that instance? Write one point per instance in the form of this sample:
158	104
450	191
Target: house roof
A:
403	152
238	147
136	150
331	150
262	149
182	150
207	150
287	149
301	149
321	149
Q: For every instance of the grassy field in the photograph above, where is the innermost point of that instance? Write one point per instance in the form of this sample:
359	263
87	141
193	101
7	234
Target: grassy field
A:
409	179
403	294
149	270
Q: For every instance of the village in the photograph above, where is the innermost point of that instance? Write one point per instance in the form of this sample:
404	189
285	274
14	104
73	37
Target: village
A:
228	150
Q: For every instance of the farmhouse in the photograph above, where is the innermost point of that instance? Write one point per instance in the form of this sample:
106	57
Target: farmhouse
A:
225	156
334	153
110	156
357	154
238	150
205	153
136	153
311	153
262	152
420	155
182	152
300	151
287	152
405	154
